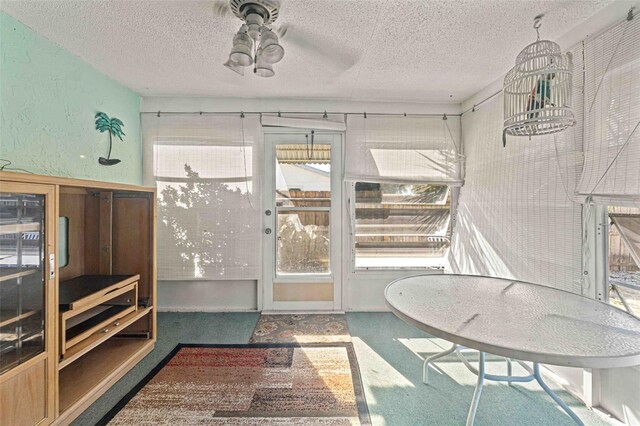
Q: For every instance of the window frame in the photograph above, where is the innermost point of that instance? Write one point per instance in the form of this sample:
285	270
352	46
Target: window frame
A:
454	193
603	258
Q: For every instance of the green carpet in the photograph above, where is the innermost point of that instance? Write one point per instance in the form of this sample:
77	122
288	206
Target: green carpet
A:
389	354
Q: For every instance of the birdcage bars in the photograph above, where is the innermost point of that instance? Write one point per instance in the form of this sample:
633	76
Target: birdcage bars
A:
538	91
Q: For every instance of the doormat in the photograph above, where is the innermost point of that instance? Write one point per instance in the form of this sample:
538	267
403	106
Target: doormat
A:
265	384
301	328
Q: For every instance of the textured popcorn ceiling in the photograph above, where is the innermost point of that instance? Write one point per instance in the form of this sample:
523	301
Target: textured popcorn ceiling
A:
421	51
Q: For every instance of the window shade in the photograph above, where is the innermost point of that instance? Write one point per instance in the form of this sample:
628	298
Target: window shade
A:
402	149
514	218
206	168
612	115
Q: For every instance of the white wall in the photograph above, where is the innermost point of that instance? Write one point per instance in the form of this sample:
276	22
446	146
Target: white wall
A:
207	296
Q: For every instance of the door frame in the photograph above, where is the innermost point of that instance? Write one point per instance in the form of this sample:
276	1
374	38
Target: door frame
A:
273	137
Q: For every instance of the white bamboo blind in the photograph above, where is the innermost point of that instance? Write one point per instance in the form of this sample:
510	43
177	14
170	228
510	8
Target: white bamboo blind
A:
514	219
612	116
206	168
397	149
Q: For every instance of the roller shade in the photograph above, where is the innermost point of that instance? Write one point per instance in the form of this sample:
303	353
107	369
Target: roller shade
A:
611	172
206	169
402	149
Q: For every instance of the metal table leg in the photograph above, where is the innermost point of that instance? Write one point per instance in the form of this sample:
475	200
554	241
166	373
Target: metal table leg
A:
534	374
556	398
425	364
476	393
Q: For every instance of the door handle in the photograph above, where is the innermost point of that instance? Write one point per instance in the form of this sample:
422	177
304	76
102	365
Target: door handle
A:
267	231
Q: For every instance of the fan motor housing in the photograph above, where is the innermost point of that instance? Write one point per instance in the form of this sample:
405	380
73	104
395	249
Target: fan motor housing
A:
268	9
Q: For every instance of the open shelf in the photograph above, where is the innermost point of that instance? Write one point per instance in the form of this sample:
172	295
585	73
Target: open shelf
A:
81	377
80	290
96	339
98	319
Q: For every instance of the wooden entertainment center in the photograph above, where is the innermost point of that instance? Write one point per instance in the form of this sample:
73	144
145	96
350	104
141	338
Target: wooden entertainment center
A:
77	292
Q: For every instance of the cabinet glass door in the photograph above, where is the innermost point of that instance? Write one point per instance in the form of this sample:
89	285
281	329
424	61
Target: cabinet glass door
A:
22	278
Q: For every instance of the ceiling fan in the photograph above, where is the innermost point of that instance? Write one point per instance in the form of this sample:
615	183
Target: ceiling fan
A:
257	42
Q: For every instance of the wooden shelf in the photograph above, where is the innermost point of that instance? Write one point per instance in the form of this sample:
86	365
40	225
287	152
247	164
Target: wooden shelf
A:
80	290
97	339
82	377
12	228
110	313
8	275
9	317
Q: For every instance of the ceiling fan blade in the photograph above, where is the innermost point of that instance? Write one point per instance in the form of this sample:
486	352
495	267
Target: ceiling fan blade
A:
337	58
221	8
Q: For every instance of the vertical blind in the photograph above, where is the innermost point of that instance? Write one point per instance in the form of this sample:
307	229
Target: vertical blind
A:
612	116
401	149
206	168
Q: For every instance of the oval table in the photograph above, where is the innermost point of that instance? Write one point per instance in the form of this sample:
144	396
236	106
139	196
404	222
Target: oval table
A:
519	320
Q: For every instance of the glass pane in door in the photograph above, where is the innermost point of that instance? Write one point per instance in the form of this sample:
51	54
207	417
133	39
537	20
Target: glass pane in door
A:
22	275
303	207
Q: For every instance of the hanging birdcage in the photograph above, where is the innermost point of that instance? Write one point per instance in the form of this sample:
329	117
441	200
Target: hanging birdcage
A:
538	90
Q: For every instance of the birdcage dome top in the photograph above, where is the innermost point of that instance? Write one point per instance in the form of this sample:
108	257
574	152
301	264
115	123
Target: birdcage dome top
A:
537	49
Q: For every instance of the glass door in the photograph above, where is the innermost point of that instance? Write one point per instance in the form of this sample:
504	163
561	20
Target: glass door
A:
301	211
27	283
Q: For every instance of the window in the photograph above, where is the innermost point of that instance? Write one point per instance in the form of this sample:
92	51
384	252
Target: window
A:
401	225
624	258
303	207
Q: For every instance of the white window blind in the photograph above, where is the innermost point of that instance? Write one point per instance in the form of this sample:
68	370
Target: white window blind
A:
611	172
402	149
514	218
206	168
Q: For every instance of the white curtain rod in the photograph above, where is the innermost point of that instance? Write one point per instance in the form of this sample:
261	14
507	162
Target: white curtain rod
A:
366	114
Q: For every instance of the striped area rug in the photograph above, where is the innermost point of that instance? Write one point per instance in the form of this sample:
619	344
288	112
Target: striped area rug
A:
265	384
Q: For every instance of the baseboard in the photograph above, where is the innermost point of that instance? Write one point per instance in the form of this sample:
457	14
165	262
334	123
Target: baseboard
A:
203	309
303	312
370	309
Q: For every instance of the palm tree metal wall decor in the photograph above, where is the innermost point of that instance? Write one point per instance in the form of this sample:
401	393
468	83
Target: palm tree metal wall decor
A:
114	127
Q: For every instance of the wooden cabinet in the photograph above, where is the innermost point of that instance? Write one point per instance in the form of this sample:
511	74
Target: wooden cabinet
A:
77	292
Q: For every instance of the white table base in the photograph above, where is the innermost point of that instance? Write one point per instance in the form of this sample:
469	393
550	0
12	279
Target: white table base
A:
534	374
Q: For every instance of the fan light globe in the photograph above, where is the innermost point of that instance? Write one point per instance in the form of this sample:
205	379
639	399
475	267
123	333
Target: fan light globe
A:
242	51
263	68
270	47
237	68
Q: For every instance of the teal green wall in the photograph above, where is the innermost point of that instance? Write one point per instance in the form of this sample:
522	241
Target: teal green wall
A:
48	99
